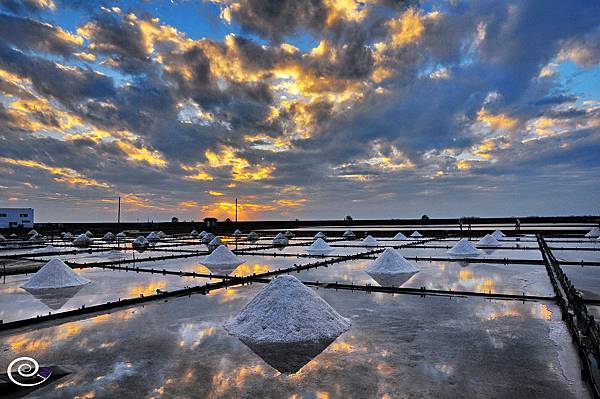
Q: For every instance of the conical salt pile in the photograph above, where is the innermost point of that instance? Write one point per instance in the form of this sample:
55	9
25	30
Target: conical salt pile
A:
140	243
122	235
208	237
215	242
67	236
287	324
498	235
37	237
194	233
153	237
202	234
82	240
319	247
162	235
252	236
391	262
237	233
46	249
109	237
55	274
369	241
89	234
593	233
399	237
280	239
416	234
33	233
2	238
320	235
349	234
463	248
488	241
222	259
289	234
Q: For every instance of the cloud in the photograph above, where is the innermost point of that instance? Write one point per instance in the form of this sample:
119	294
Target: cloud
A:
379	101
28	34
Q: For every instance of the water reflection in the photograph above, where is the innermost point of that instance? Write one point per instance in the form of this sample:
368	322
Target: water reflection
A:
391	280
54	298
288	358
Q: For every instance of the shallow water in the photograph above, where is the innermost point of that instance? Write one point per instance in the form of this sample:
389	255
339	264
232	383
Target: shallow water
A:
399	346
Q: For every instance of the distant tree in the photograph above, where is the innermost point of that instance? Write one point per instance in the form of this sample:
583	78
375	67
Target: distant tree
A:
228	220
174	219
348	218
424	217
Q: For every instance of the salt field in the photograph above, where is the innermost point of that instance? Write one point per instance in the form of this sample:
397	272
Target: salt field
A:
443	315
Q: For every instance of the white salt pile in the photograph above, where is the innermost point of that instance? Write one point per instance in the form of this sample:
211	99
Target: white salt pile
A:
194	233
208	237
46	249
319	247
89	234
488	241
498	235
153	237
122	235
33	233
320	235
399	237
280	239
286	311
593	233
416	234
391	262
252	236
37	237
162	235
369	241
349	234
215	242
109	237
82	240
2	238
140	243
55	274
289	234
237	233
222	259
202	234
463	248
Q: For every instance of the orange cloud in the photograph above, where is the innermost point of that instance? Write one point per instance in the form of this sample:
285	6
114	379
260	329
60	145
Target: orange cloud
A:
63	175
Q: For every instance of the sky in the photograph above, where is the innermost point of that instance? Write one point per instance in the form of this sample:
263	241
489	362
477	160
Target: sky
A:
301	109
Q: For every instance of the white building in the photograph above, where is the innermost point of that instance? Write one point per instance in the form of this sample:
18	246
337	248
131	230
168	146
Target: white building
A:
15	217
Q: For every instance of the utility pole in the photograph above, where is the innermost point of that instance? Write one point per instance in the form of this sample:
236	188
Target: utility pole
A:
236	211
119	213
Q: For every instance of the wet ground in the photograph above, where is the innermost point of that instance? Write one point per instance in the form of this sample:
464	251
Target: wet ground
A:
398	346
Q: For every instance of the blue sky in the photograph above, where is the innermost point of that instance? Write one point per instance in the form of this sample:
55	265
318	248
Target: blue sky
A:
301	109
